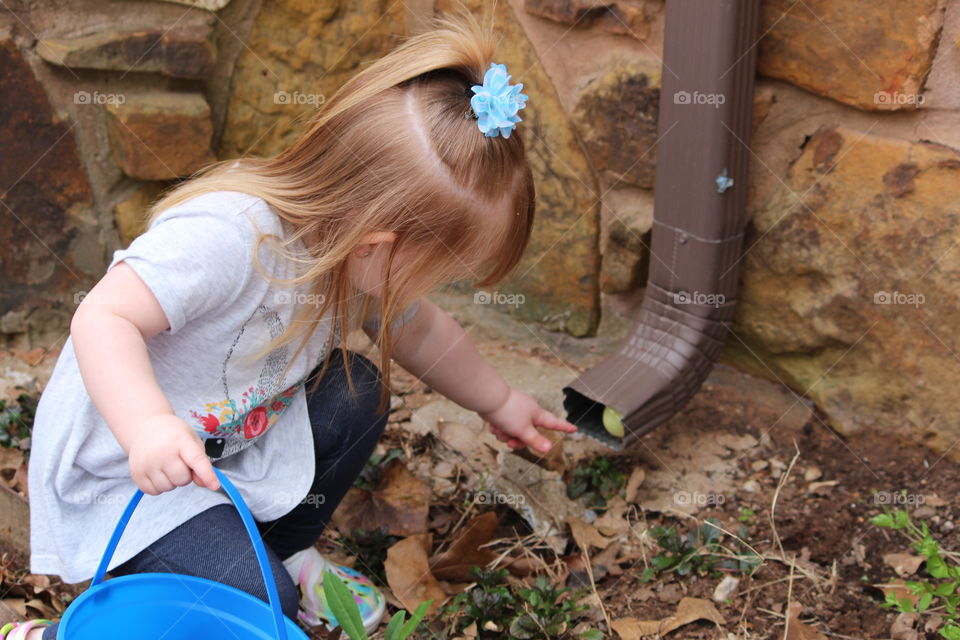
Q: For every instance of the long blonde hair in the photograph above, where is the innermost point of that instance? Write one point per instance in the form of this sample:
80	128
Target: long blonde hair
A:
393	150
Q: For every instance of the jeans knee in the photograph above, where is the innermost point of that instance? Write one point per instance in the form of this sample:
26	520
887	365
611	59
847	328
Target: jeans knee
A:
289	597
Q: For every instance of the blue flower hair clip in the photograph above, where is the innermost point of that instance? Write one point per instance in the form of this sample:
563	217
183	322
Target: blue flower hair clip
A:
496	102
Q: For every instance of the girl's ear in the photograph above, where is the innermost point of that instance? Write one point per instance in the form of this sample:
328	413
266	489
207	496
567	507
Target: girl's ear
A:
377	237
371	240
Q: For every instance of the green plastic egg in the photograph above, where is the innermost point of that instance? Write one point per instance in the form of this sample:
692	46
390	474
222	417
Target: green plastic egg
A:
613	422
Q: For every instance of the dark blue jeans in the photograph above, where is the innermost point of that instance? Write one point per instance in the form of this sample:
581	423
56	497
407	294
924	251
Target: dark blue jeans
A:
346	429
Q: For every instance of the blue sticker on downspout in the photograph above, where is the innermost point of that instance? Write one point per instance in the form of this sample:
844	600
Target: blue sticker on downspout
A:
724	182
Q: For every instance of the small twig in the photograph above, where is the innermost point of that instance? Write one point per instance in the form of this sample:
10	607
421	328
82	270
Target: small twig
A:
593	586
776	496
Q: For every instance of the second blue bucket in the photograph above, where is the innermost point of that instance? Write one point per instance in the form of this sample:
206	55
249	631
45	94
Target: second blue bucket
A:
170	606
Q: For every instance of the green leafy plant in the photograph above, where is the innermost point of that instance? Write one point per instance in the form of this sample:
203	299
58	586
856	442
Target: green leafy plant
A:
701	551
347	613
548	613
543	612
596	482
940	593
370	549
746	515
490	600
16	420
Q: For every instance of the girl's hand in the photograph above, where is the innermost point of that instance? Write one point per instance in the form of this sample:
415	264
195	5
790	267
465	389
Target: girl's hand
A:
513	422
168	453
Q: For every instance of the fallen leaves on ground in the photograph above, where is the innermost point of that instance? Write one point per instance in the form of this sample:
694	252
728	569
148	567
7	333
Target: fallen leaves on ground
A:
401	502
409	576
905	564
797	630
689	610
466	551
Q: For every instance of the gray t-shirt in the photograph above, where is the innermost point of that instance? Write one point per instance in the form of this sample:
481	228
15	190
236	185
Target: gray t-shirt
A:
197	259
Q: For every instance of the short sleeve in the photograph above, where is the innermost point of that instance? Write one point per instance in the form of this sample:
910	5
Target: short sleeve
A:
372	324
193	261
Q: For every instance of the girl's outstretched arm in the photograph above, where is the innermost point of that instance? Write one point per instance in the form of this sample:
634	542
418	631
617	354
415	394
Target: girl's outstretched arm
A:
436	349
109	331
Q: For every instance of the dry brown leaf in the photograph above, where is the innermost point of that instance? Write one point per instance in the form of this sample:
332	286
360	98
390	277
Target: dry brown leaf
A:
465	551
527	565
19	482
689	610
607	559
903	627
586	535
636	479
470	446
797	630
18	605
408	574
401	501
539	496
905	564
935	501
612	522
37	581
898	588
10	459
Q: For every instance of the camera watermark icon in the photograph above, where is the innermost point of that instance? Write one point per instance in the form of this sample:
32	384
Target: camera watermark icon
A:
698	297
85	97
297	97
285	497
895	98
498	297
686	97
898	498
898	297
100	498
299	297
487	497
101	298
698	499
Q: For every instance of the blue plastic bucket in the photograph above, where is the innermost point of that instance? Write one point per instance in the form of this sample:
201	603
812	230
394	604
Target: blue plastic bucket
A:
170	606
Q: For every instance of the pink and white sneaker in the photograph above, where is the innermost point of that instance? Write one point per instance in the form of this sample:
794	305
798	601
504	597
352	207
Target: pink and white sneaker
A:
307	569
20	630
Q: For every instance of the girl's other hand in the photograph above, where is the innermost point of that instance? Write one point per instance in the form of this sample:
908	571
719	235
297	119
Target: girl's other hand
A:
168	453
515	420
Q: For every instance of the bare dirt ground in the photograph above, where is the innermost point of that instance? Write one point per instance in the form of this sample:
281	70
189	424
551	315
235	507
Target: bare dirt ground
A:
787	493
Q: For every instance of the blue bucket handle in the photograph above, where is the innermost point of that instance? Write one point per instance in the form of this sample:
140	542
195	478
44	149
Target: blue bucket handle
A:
252	531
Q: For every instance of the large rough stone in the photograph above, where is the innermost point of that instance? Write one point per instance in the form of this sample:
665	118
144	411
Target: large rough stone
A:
160	135
559	274
182	52
874	56
130	212
627	17
43	191
627	218
849	286
616	115
297	55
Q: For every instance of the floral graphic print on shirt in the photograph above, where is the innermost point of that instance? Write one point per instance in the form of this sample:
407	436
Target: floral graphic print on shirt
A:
237	420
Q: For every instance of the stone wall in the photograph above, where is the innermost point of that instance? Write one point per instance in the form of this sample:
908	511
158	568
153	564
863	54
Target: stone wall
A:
850	254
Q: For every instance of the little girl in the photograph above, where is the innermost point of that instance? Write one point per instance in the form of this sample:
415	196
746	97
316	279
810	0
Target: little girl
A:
211	339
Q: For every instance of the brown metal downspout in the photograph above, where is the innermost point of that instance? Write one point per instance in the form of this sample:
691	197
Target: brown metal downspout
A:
704	130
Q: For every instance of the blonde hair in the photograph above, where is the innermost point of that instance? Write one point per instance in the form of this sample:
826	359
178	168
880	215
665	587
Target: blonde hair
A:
395	149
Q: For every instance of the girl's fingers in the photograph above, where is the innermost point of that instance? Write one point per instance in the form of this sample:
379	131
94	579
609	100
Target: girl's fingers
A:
547	420
200	464
532	438
177	472
160	482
